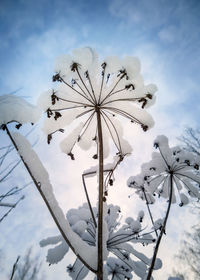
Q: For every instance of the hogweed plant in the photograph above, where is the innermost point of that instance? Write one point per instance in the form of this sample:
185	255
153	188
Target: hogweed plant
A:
95	93
119	242
93	98
171	175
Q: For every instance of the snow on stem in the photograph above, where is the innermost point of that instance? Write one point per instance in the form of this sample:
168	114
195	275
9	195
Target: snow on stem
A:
83	251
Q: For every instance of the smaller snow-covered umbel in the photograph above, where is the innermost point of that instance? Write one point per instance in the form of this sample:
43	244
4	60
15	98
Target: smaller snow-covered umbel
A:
119	241
154	178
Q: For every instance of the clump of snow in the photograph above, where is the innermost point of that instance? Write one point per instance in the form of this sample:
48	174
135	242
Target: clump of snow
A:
41	177
15	109
131	65
113	64
67	144
78	271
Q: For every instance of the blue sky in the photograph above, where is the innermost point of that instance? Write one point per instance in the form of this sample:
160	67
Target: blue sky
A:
163	34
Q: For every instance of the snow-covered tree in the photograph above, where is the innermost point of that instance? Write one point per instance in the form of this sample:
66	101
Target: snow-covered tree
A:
94	98
191	140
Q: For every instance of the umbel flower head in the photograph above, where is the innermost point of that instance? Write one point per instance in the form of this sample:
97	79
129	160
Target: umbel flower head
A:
182	166
113	87
123	260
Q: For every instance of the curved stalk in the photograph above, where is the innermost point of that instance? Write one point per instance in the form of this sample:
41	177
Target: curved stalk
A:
162	229
48	204
100	203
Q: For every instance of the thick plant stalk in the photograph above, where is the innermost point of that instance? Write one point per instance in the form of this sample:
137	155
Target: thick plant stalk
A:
162	229
48	205
100	203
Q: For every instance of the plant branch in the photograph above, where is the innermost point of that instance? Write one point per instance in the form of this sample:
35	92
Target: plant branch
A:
14	267
151	217
110	93
92	97
47	203
162	229
88	199
84	96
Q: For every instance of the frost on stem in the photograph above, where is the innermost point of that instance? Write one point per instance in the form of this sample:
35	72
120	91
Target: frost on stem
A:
120	242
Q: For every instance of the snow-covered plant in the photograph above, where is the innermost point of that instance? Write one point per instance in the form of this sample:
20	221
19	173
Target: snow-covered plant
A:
118	242
171	174
93	98
94	94
169	164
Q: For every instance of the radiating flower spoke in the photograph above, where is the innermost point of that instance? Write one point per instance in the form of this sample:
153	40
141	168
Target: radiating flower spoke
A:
118	146
122	100
126	115
84	113
68	108
102	81
76	91
75	102
92	96
110	93
86	125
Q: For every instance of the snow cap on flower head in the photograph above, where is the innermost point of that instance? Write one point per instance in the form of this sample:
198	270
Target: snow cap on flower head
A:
114	87
168	162
119	239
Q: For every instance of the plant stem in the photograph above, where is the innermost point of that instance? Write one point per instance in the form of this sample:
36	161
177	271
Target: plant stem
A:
100	203
162	229
151	217
48	204
14	267
88	200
